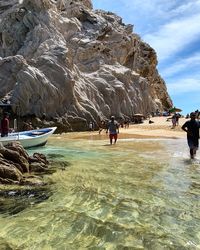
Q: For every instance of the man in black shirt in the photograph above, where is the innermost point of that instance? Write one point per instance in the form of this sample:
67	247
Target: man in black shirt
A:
192	128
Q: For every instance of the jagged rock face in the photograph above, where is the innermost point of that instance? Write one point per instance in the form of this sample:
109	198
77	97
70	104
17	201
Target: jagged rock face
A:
66	60
4	5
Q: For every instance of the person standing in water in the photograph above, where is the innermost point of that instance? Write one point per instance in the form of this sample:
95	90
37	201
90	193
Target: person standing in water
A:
113	128
191	127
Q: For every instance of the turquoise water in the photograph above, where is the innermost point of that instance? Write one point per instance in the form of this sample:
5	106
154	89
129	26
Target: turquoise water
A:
137	194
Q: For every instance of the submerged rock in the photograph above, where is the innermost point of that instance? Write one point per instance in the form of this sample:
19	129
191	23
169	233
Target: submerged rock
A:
15	200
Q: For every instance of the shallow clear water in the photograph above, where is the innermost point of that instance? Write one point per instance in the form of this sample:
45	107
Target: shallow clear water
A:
137	194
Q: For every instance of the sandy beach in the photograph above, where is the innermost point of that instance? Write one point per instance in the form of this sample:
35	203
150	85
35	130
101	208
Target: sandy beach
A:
161	128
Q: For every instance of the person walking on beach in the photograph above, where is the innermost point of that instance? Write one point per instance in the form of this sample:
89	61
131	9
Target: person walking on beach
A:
113	128
191	127
177	119
4	125
174	121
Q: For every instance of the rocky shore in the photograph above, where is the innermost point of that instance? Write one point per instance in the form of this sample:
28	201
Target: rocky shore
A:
17	167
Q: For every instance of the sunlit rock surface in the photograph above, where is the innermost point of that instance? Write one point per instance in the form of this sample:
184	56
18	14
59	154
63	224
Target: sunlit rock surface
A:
17	167
73	64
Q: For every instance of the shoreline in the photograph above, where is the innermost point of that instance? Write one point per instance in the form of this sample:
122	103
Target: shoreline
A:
159	129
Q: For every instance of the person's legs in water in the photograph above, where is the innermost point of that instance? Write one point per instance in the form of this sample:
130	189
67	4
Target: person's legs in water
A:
111	137
115	137
195	151
193	146
192	153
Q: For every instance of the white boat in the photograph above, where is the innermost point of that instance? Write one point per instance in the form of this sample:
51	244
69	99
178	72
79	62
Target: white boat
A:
30	138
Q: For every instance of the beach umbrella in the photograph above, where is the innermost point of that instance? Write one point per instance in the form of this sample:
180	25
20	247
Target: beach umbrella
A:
174	109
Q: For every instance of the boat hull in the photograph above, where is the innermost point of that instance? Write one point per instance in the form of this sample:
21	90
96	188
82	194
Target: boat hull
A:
29	139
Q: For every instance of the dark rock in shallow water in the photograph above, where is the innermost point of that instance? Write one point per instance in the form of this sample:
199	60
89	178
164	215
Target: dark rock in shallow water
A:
38	167
15	157
33	181
14	201
9	171
18	148
53	156
30	188
55	165
37	157
15	161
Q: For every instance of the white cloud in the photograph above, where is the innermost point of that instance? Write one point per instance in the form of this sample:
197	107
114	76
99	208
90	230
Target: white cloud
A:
161	9
174	36
183	86
182	65
188	8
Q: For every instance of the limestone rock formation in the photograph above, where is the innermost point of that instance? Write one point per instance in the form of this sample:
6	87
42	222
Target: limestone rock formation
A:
62	58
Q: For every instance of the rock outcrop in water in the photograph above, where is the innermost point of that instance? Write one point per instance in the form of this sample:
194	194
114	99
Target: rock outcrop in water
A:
16	165
73	64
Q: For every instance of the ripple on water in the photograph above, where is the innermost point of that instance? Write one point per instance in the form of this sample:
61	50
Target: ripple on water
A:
133	195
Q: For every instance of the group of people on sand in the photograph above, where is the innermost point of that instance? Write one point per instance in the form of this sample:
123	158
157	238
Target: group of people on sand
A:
175	120
191	127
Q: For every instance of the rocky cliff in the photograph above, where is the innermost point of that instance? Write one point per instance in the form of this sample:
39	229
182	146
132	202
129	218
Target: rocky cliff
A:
73	64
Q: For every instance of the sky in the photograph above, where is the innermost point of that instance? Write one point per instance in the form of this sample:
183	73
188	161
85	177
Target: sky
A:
172	29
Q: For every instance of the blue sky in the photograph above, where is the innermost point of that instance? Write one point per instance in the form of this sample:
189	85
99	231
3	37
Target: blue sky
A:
172	28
